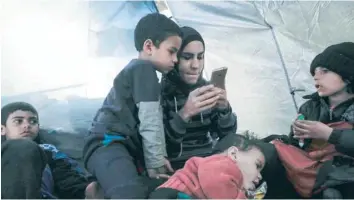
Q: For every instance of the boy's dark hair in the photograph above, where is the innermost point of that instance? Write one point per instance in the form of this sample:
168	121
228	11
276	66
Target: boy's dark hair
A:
243	143
13	107
156	27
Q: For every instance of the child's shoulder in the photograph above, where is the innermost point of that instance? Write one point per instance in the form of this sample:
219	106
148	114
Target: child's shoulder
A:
136	70
141	72
140	66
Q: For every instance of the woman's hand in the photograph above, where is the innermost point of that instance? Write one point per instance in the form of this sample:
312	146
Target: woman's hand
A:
199	100
222	102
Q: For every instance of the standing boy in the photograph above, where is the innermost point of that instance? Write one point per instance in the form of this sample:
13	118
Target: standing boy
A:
127	132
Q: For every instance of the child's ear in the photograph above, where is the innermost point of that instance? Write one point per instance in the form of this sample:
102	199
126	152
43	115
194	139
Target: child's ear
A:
148	46
3	130
232	153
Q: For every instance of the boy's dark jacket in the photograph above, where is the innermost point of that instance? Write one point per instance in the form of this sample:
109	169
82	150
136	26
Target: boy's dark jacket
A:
317	109
62	177
340	170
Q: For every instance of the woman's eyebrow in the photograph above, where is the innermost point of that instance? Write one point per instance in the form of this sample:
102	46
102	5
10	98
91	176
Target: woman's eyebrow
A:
189	53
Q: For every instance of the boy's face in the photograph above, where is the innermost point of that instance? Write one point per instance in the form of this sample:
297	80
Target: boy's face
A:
21	124
165	56
327	82
250	163
191	62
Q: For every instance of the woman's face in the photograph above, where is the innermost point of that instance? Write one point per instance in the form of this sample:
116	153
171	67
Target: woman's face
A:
191	62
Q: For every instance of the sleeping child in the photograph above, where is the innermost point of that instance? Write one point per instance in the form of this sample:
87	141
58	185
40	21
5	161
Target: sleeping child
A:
229	174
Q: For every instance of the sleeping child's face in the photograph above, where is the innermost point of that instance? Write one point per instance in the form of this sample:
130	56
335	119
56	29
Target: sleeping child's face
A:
250	163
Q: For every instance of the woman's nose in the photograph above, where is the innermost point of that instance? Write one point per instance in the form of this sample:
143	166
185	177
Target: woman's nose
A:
195	64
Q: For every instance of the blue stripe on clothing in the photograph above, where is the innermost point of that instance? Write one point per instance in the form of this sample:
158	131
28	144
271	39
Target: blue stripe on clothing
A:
56	155
109	138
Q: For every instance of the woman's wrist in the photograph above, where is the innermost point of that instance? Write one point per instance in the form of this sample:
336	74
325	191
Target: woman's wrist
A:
184	115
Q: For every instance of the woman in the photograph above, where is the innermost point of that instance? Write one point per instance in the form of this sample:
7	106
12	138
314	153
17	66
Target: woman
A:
193	109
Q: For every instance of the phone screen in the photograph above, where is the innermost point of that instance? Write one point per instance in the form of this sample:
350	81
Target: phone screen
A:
218	77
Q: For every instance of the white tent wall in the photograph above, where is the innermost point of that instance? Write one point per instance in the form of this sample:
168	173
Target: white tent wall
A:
46	61
51	59
252	39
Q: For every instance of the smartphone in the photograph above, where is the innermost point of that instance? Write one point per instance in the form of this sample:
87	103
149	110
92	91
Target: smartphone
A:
218	77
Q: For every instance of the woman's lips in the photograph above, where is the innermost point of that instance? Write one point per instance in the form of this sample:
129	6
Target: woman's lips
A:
192	75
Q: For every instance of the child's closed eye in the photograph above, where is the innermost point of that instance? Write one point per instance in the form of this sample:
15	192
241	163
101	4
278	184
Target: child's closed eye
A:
259	165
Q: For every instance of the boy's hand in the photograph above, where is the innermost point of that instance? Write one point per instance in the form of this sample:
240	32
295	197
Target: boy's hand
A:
168	166
157	173
199	100
94	191
311	129
161	172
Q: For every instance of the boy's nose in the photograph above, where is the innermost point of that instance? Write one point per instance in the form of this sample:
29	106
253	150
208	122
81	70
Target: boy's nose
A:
175	59
316	76
26	125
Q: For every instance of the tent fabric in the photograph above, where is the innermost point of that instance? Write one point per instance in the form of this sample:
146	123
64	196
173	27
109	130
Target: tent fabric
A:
263	43
81	46
67	88
112	24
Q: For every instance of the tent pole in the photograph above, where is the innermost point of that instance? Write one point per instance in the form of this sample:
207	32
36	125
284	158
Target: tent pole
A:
291	89
163	8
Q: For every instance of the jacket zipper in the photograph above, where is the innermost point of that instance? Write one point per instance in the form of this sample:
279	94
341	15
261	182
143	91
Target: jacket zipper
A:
331	113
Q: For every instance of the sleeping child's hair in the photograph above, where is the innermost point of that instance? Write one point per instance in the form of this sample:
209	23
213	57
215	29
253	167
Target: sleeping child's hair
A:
242	143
